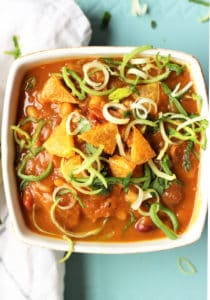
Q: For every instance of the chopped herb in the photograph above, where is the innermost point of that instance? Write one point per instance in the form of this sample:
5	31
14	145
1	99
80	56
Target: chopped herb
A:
188	150
105	20
153	24
127	114
84	125
205	3
160	185
17	51
30	83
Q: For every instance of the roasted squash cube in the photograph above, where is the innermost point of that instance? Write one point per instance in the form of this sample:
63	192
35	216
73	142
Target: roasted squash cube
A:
60	143
141	151
54	91
102	135
120	166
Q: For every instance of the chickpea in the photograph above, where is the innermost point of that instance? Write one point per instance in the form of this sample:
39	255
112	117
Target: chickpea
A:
32	112
66	108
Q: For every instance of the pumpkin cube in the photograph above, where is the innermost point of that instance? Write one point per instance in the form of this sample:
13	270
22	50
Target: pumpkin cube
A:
102	135
60	143
141	151
120	166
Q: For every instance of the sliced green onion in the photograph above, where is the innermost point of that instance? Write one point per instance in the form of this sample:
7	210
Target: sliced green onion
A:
173	100
70	250
99	67
189	122
111	118
175	93
154	209
120	144
120	93
39	177
159	173
78	235
186	266
138	73
37	226
65	73
74	116
129	56
138	122
137	9
65	189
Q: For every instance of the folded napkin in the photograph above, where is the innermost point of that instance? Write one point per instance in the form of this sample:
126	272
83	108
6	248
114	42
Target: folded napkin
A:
32	272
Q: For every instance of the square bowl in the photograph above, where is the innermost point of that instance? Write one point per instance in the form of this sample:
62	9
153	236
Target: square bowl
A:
17	71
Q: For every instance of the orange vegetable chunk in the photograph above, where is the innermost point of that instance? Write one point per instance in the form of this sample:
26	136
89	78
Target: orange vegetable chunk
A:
141	151
60	143
54	91
102	135
120	166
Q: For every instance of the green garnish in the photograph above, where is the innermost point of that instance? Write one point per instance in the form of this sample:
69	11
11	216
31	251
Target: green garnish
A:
105	20
153	24
35	178
127	114
204	18
16	53
30	83
120	93
205	3
188	150
186	266
155	208
173	100
66	73
165	164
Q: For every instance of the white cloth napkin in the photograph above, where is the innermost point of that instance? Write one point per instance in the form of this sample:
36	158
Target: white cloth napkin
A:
32	272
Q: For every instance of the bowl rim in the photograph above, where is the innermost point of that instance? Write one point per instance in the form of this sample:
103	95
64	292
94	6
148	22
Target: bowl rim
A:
23	233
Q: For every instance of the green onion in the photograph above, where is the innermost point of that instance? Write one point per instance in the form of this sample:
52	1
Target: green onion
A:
159	173
16	53
39	177
119	94
130	222
130	55
186	157
70	250
205	3
78	235
153	24
30	83
157	207
105	20
173	100
65	73
205	18
186	266
37	226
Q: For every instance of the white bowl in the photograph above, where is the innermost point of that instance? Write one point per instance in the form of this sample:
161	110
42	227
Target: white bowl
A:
18	69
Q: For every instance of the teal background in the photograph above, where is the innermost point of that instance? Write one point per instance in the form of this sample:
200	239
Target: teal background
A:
148	276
